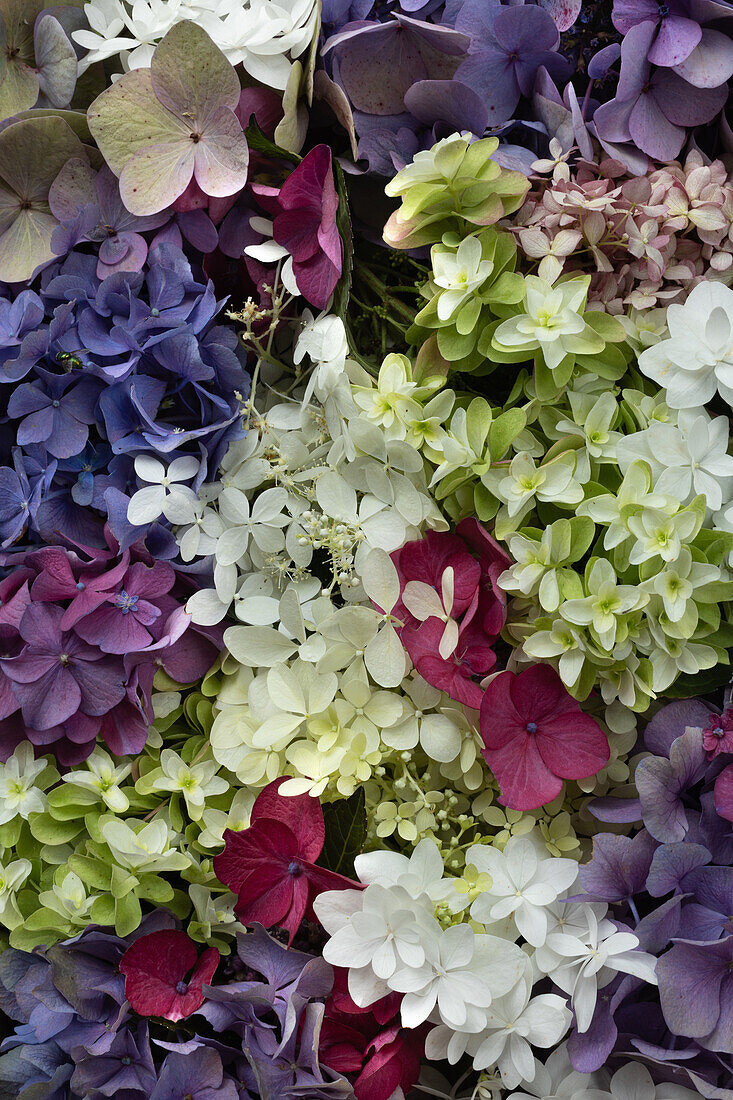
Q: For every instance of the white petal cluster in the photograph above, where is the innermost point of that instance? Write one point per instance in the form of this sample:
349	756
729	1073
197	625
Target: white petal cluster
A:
264	35
408	932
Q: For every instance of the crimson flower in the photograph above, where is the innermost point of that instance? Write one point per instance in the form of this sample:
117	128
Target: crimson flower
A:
271	865
306	226
536	735
369	1044
451	607
155	969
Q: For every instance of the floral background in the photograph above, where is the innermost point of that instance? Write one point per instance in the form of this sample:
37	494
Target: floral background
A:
366	550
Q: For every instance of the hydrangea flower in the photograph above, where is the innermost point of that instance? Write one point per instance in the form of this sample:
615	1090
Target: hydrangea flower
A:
535	735
271	864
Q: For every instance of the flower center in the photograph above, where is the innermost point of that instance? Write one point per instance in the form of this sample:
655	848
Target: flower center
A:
531	727
181	987
125	602
718	732
294	868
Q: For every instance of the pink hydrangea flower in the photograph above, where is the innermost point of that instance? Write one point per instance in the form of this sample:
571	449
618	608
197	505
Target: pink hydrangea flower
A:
536	735
156	968
717	736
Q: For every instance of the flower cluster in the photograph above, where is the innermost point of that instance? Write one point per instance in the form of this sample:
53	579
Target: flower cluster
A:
366	550
645	242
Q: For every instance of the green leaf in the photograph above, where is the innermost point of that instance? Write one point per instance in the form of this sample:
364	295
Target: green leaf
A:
468	315
47	830
342	292
609	328
504	431
155	889
478	424
346	828
263	144
583	531
430	364
485	503
10	832
127	914
103	910
93	872
292	127
453	346
700	683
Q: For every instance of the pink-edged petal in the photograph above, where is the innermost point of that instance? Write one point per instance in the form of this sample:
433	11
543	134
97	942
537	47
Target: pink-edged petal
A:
711	63
652	131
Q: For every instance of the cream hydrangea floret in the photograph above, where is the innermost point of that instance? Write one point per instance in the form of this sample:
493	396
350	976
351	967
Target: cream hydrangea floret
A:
19	797
458	273
552	321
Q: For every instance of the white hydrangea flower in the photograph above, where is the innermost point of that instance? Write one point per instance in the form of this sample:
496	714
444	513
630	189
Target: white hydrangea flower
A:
196	782
140	846
458	273
100	774
258	33
374	934
523	883
68	898
634	1082
515	1023
19	797
583	960
686	459
462	975
12	877
551	322
697	359
557	1080
148	504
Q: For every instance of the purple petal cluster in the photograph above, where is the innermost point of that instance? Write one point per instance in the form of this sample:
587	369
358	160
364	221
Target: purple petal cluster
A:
673	882
632	82
76	1036
83	635
100	367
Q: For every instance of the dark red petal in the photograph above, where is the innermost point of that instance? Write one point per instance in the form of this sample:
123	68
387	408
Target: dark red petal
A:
264	843
573	746
538	692
301	813
525	780
500	723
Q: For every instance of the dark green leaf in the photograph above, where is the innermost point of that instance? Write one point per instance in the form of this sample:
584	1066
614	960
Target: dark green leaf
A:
343	224
701	683
346	826
262	144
